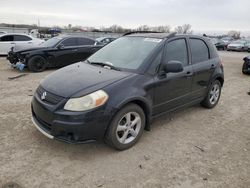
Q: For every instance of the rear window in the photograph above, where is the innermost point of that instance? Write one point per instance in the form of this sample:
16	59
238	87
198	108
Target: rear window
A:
85	41
199	51
70	42
21	38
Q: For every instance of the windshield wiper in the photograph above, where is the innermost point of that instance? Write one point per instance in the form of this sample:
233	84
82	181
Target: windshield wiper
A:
104	65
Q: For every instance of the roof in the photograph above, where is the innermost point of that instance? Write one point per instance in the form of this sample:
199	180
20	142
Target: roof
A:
151	35
160	35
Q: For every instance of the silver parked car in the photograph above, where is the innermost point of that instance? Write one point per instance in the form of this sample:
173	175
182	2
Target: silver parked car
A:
238	45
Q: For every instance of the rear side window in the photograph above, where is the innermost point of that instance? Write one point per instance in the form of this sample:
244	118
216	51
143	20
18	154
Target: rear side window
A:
177	51
199	51
21	38
7	38
85	41
70	42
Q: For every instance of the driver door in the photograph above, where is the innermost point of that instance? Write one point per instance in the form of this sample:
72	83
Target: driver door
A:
66	54
173	90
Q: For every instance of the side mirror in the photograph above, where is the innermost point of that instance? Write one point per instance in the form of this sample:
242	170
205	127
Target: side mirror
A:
60	46
173	66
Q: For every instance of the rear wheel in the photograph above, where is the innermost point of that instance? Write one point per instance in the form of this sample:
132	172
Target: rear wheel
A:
37	63
126	127
213	95
245	67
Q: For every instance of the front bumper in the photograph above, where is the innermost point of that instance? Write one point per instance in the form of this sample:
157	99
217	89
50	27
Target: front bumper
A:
15	58
70	127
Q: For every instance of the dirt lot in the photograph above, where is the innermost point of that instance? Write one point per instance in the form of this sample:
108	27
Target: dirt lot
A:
193	148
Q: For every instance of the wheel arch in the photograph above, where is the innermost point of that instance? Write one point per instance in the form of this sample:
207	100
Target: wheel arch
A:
220	79
145	106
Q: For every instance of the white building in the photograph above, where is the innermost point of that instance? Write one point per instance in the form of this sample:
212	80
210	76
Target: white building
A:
14	30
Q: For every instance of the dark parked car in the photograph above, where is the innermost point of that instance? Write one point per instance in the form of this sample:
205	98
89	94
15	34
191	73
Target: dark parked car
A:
56	52
219	44
118	90
246	65
105	40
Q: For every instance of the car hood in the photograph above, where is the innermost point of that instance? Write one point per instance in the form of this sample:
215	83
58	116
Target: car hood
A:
27	48
235	45
80	79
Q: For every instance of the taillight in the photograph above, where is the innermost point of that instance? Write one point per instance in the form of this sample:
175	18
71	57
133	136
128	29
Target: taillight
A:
220	62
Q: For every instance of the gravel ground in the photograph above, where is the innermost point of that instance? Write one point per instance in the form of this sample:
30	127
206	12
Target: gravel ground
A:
192	148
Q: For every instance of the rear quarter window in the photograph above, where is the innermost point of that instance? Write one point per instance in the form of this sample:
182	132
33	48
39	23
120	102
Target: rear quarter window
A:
199	50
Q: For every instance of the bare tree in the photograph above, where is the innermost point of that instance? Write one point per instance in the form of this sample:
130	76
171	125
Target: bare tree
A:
143	28
234	34
184	29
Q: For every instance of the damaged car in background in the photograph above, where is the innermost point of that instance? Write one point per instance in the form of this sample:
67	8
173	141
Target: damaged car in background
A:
56	52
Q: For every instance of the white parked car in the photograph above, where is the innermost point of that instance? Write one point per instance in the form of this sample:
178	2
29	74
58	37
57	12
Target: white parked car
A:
7	41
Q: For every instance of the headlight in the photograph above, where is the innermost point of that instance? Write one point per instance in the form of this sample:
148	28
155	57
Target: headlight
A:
87	102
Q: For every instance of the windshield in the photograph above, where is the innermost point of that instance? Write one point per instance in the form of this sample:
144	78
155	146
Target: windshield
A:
51	42
125	52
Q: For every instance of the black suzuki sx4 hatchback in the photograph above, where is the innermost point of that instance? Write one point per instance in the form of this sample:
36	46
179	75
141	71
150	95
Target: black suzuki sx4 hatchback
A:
117	91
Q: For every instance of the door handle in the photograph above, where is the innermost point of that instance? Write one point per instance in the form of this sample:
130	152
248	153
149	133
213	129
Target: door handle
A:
12	43
212	66
189	74
75	50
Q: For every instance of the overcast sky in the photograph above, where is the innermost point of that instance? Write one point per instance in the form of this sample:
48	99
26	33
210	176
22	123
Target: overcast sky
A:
203	15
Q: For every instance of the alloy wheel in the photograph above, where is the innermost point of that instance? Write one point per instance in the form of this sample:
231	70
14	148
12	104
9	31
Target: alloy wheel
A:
128	127
214	94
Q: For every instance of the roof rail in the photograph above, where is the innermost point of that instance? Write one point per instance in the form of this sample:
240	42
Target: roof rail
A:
170	35
133	32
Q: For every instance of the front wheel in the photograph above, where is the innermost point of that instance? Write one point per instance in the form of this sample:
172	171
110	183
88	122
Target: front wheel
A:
213	95
126	127
37	63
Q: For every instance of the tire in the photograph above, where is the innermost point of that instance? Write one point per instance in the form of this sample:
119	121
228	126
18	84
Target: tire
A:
213	95
37	63
128	134
244	68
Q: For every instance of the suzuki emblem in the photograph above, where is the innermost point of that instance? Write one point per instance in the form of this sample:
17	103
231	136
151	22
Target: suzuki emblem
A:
43	96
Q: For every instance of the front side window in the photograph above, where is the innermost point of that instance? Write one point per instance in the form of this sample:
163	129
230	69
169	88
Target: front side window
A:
177	51
126	52
69	42
7	38
199	51
21	38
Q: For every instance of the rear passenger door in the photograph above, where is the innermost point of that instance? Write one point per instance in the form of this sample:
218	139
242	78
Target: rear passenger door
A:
203	66
173	90
23	40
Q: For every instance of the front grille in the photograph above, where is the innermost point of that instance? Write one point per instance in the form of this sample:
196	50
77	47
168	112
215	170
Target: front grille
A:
50	97
44	125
